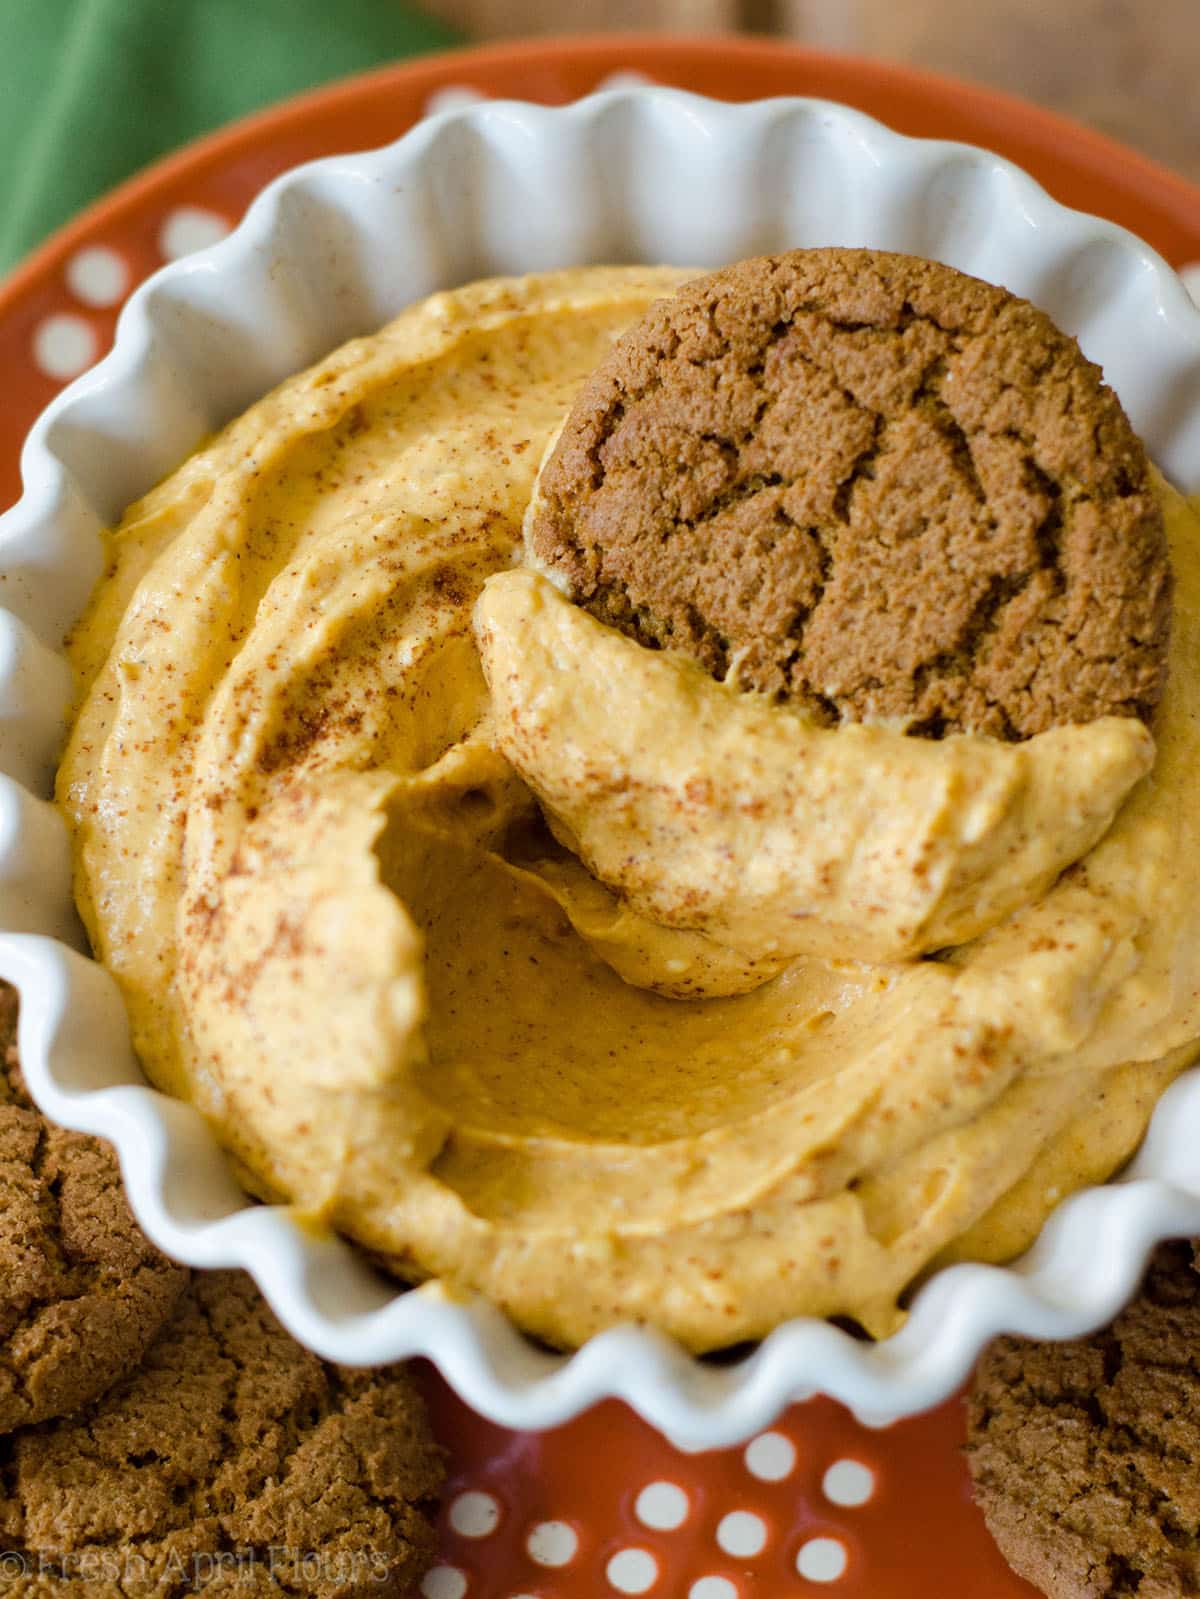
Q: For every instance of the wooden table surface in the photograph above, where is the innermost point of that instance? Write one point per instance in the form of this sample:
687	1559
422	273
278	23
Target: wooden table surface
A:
1128	67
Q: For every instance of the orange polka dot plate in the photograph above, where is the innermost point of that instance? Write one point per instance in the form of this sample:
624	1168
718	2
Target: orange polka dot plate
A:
578	1497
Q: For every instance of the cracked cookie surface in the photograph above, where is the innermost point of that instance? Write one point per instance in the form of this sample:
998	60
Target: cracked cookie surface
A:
1083	1454
872	484
82	1291
233	1460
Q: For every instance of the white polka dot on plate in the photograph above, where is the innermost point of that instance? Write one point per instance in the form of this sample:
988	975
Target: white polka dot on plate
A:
626	79
770	1457
455	97
552	1543
1191	280
712	1588
848	1482
475	1515
632	1571
188	228
444	1582
98	276
742	1533
821	1560
64	346
662	1505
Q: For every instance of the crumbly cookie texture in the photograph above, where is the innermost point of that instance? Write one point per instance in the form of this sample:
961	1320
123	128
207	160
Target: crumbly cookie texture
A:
872	484
82	1291
1083	1454
232	1461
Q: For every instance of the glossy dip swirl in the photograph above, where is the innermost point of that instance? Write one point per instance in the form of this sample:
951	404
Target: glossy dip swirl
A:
308	847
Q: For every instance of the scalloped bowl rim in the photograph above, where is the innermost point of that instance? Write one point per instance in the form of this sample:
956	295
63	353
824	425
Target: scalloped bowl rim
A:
74	1043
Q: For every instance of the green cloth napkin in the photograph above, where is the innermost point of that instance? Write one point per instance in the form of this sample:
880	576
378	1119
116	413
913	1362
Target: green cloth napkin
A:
91	90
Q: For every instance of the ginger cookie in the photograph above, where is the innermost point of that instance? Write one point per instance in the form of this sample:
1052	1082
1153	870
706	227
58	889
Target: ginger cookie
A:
82	1291
1086	1455
233	1460
870	484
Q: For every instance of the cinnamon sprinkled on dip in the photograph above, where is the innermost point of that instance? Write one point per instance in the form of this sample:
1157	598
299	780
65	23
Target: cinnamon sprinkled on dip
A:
308	849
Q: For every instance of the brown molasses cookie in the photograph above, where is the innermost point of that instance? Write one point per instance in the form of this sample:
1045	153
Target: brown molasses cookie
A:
1086	1455
874	485
232	1461
82	1292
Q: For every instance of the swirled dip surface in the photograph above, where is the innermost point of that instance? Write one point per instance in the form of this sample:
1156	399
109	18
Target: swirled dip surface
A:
344	931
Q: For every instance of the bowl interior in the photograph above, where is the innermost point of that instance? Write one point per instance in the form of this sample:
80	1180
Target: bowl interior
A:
331	252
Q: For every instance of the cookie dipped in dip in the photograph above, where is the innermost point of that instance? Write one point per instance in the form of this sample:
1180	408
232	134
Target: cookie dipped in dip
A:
641	953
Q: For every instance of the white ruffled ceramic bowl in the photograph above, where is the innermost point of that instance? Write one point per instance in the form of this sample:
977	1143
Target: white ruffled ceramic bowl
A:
335	249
